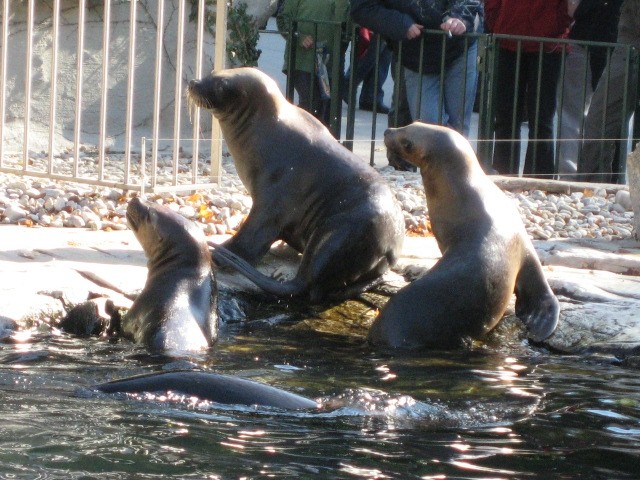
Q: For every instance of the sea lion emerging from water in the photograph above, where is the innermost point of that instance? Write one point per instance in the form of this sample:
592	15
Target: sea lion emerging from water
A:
176	310
486	252
307	189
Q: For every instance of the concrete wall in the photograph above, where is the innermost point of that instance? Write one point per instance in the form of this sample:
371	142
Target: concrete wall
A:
118	49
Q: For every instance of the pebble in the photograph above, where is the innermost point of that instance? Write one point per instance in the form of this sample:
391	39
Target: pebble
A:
37	201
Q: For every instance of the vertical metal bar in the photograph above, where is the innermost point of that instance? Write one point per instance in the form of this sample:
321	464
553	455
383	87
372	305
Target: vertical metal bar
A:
3	74
54	80
536	119
374	116
465	54
585	79
177	118
624	124
27	86
79	69
443	53
514	116
337	70
603	123
130	85
219	64
423	40
156	94
104	89
196	113
560	95
351	94
143	165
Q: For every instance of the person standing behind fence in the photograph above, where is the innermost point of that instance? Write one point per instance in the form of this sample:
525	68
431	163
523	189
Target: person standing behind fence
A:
312	36
530	65
594	21
395	27
422	61
364	71
610	112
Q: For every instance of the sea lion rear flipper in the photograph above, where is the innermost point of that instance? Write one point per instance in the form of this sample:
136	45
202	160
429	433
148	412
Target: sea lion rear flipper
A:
536	305
227	258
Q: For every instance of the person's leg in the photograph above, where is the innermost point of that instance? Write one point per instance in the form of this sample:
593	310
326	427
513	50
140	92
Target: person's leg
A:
461	74
506	154
608	108
574	96
383	71
540	157
309	98
423	93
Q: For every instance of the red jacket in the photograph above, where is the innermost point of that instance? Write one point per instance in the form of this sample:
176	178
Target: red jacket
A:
529	18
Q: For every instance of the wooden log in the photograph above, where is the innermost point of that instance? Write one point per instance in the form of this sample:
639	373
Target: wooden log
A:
519	184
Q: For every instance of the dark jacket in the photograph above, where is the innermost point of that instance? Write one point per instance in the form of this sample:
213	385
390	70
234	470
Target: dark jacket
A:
596	20
392	19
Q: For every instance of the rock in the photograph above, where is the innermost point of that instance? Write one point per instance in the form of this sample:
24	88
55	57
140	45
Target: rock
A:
13	213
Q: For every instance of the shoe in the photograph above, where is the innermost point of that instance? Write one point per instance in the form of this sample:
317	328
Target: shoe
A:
368	107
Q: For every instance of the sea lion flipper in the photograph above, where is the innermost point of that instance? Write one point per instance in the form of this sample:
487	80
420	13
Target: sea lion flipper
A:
536	305
227	258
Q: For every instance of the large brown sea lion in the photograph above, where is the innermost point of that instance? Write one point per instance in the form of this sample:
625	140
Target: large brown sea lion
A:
307	190
486	252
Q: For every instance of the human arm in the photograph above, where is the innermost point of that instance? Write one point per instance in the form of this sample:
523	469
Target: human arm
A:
388	22
460	16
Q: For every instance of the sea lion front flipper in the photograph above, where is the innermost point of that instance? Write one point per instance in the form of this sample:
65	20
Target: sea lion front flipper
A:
536	305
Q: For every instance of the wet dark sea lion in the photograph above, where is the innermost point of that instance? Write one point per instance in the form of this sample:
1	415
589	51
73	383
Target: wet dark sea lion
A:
210	386
176	310
486	253
307	190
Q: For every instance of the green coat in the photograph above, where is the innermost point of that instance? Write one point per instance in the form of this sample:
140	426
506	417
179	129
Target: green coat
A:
308	14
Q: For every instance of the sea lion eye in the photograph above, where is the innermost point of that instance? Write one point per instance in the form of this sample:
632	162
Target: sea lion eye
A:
407	145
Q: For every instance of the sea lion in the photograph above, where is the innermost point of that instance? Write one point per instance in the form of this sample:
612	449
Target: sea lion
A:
210	386
307	189
486	252
176	310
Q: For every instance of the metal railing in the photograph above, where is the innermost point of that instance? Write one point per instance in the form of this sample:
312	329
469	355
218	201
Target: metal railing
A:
58	115
489	98
107	109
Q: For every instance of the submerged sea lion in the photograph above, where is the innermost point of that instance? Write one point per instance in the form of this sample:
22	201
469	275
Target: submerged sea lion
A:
307	190
486	252
176	310
210	386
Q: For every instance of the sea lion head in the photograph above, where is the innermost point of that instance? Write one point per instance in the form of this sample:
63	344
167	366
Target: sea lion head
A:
227	91
426	146
164	233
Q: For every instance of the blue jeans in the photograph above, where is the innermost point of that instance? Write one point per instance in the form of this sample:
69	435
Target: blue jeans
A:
456	107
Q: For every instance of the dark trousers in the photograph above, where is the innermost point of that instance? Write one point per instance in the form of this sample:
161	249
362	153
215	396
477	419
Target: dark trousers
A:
306	84
540	156
364	72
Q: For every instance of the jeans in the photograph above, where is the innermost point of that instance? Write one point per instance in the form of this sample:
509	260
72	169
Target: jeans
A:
456	107
365	70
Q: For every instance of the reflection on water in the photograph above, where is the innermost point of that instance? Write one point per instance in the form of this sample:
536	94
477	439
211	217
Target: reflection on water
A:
502	410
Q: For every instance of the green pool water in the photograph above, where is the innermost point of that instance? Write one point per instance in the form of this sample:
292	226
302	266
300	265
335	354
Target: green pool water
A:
500	410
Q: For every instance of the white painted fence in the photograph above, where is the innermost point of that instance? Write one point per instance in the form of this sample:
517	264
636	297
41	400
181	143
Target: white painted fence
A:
93	92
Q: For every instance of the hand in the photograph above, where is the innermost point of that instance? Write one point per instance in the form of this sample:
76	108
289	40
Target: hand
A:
414	31
307	41
454	26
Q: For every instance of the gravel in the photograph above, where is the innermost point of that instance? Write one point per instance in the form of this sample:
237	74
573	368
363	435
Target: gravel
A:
39	202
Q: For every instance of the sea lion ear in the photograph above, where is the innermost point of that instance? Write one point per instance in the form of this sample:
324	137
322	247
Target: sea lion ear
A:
407	145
